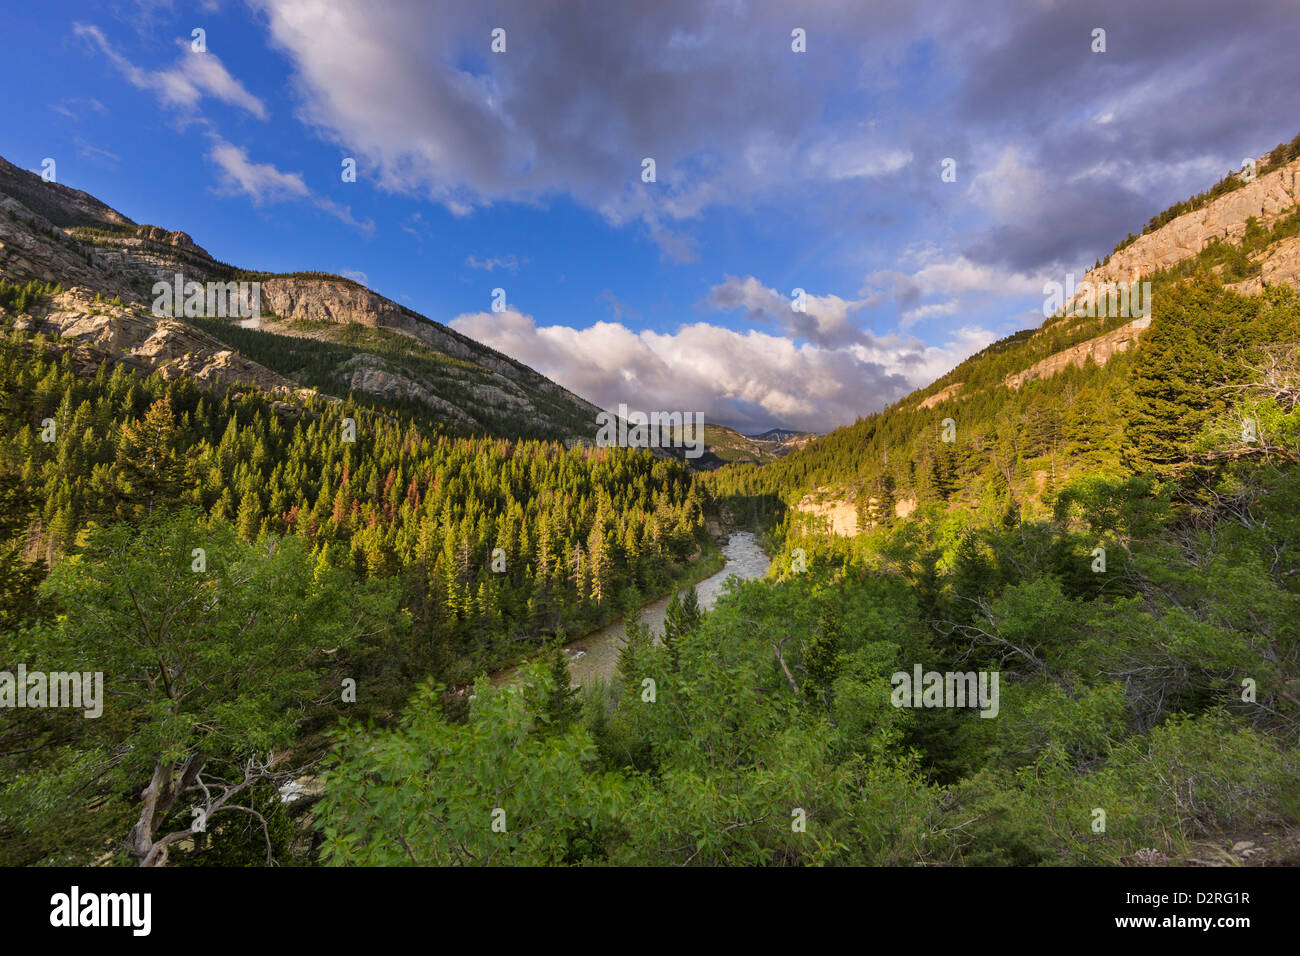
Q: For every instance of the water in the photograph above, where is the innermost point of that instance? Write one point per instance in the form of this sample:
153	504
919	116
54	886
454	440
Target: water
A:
596	655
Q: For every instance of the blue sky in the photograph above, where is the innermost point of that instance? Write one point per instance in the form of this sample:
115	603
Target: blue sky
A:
775	169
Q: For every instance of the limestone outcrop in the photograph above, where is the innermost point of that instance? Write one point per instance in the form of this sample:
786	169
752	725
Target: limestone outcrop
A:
1099	349
1268	199
130	334
940	396
1282	264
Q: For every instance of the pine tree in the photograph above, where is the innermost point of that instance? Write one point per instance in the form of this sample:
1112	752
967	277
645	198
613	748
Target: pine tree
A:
249	520
146	453
562	706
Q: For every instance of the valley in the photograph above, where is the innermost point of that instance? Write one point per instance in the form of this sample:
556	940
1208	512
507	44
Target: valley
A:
470	522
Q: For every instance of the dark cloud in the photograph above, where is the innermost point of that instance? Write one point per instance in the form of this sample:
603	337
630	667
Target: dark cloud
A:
1058	225
584	92
1060	152
711	91
1182	94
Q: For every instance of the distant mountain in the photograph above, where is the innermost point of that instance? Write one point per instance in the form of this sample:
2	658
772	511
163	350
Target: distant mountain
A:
782	435
726	446
318	331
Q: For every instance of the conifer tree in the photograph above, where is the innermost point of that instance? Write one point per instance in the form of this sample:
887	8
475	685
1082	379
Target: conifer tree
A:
562	706
147	456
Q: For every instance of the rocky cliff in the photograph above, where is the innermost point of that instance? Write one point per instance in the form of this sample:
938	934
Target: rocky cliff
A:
1267	199
63	236
129	334
1279	265
1099	350
149	254
32	247
838	510
940	396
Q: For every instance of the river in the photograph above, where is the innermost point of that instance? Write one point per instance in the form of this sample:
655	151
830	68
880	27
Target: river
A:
596	655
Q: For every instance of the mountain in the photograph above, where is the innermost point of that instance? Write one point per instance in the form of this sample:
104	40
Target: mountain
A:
318	332
61	205
781	435
1076	394
726	446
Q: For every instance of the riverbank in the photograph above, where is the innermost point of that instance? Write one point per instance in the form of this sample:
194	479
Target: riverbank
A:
596	654
709	562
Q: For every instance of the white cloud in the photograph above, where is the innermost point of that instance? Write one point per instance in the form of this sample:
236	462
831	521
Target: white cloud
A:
961	275
184	85
343	214
183	88
910	317
263	182
259	181
825	319
855	159
959	282
746	379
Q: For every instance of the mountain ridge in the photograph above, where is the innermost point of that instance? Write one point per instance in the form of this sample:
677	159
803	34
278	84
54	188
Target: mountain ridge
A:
51	233
1030	409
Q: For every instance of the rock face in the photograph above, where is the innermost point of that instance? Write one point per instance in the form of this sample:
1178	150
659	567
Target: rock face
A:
840	510
1268	199
370	374
32	247
58	204
1279	264
125	266
58	235
154	254
1282	266
841	516
1099	350
340	301
293	298
940	396
178	240
129	334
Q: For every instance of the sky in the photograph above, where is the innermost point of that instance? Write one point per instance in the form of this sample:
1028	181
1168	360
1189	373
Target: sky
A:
776	169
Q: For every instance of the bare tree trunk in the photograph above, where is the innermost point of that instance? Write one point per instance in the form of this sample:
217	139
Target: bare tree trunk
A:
159	798
788	675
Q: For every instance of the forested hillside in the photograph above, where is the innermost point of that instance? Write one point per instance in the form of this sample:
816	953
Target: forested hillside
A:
1013	443
476	550
1140	611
